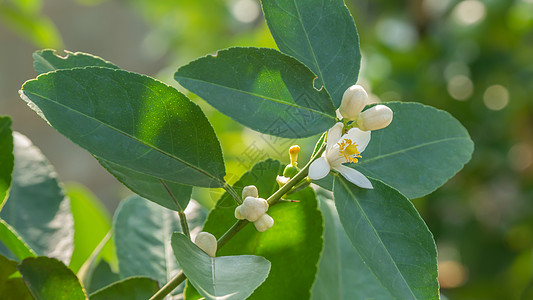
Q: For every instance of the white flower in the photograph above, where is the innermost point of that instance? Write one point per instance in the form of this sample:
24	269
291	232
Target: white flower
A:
253	208
340	150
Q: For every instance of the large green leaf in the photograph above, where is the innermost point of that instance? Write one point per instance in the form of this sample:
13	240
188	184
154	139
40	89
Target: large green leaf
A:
47	60
131	120
292	245
391	238
37	207
322	35
100	277
261	88
342	275
91	224
6	157
150	187
13	243
419	151
49	279
133	288
226	277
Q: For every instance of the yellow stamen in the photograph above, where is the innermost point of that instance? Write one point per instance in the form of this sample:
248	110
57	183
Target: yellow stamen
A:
348	149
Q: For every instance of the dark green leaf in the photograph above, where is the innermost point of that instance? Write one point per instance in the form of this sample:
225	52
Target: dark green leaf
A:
322	35
150	187
13	242
292	245
45	61
15	289
131	120
37	207
6	157
342	275
133	288
227	277
391	238
261	88
418	152
49	279
91	224
7	267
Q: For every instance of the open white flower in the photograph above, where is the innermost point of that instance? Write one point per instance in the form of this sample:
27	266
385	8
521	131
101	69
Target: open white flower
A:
342	149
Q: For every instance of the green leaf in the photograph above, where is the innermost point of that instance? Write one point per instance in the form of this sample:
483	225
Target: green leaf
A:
49	279
91	223
227	277
342	275
147	186
418	152
322	35
6	157
391	238
292	245
15	289
142	238
261	88
37	207
7	267
150	187
13	242
133	288
131	120
45	61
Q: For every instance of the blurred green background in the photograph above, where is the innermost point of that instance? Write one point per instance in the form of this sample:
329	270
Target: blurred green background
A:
471	58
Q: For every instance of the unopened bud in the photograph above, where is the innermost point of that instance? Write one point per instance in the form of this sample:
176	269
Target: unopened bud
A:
250	191
353	101
374	118
253	208
238	214
207	242
282	180
264	223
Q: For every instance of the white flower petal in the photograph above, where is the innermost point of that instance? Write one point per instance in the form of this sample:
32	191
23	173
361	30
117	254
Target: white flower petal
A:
354	176
362	138
334	135
338	114
319	168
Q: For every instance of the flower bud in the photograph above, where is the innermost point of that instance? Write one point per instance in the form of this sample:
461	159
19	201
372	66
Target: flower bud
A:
374	118
353	101
238	214
253	208
207	242
264	223
290	171
250	191
293	153
282	180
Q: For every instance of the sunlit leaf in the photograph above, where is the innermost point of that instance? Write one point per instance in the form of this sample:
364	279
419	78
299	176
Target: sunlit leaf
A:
261	88
47	60
131	120
6	157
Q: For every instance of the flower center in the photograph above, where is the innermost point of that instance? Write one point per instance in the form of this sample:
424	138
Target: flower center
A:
348	149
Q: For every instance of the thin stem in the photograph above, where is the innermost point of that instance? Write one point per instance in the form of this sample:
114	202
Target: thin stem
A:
184	225
169	287
232	192
272	200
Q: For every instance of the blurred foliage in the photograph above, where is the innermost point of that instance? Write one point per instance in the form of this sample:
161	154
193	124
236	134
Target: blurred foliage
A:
471	58
24	17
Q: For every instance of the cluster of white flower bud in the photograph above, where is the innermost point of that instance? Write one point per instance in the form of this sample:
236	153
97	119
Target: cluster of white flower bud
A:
254	209
354	100
207	242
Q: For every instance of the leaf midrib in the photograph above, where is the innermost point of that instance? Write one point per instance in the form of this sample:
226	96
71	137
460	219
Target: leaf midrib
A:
258	96
129	136
347	188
